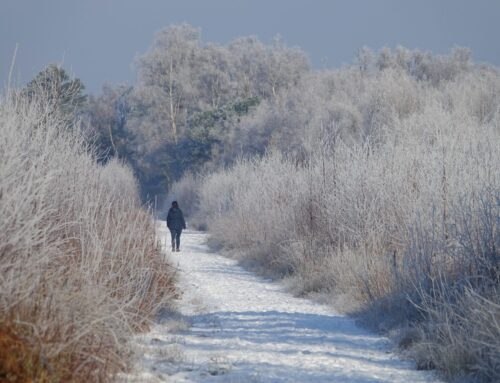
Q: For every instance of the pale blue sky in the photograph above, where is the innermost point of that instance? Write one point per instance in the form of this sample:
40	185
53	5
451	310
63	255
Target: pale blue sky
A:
98	39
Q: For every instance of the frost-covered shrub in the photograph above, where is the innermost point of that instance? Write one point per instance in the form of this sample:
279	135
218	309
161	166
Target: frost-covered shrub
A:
79	263
393	197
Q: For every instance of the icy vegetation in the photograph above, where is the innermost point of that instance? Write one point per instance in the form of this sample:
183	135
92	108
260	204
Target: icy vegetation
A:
80	269
377	182
374	186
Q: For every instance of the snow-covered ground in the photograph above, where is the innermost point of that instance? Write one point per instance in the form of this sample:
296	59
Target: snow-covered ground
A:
237	327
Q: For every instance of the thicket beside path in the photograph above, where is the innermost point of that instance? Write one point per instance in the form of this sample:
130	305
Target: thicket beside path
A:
243	328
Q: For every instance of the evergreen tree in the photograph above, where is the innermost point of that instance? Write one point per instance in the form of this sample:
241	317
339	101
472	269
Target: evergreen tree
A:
64	92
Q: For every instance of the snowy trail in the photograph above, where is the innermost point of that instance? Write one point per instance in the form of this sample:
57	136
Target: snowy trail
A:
243	328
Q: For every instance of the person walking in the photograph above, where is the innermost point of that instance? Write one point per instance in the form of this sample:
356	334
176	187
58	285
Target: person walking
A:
175	222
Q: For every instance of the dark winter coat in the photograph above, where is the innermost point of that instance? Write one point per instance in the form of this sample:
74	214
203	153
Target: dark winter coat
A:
175	219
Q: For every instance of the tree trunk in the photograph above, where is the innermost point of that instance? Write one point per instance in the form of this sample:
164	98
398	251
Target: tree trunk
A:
171	99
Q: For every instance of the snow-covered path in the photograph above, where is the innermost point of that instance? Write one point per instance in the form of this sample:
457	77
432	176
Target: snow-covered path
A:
243	328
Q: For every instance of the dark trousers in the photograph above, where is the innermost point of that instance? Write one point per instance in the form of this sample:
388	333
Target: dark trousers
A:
176	238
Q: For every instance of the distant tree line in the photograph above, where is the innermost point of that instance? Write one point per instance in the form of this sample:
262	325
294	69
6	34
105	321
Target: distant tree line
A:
198	106
186	109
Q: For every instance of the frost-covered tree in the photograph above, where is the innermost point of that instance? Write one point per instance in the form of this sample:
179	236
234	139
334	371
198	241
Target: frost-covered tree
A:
165	80
365	59
197	106
264	71
107	116
214	72
283	67
65	93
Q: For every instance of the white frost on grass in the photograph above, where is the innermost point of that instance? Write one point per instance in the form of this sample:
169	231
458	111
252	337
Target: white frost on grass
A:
243	328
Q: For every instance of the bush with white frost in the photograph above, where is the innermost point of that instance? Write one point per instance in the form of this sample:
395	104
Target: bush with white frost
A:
393	199
80	269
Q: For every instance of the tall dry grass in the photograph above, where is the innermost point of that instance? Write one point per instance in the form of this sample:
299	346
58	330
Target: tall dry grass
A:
80	269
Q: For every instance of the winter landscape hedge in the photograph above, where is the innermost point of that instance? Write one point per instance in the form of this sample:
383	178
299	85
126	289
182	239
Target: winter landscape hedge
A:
80	268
